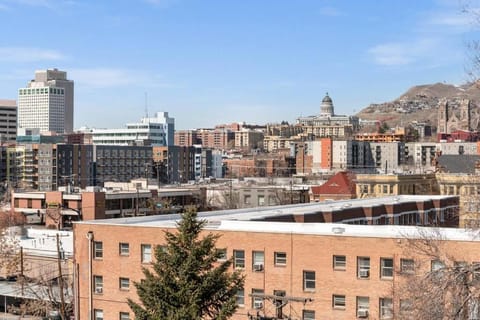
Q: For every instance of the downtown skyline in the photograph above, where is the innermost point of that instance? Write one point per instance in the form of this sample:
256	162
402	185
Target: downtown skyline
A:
211	62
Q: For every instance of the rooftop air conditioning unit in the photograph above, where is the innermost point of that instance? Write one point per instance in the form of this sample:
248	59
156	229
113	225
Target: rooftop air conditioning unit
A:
258	267
364	273
362	313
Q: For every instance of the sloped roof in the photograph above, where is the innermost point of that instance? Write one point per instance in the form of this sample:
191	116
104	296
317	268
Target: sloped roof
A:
341	183
464	163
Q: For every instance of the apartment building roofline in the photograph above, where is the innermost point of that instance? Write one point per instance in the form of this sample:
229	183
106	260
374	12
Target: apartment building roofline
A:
253	219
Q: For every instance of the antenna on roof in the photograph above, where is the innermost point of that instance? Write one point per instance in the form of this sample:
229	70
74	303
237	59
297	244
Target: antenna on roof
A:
146	106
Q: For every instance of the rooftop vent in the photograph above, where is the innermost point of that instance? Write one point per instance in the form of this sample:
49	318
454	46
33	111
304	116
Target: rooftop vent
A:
338	230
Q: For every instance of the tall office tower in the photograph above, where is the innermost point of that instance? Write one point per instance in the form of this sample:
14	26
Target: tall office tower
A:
47	102
8	120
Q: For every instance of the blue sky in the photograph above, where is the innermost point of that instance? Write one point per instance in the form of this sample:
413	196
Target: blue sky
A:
209	62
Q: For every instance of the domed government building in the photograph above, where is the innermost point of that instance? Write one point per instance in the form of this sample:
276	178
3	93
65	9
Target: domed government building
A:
327	123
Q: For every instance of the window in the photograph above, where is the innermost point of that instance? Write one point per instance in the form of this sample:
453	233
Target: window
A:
146	253
257	298
386	268
308	315
278	302
238	259
280	258
258	260
363	267
98	314
363	304
124	316
98	284
124	249
405	305
407	266
386	309
246	199
261	200
339	262
240	297
222	254
338	301
98	249
308	280
437	265
124	283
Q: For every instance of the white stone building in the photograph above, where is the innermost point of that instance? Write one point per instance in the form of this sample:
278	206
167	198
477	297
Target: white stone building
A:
47	102
158	131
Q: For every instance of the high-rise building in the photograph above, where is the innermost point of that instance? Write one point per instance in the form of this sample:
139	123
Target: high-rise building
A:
47	102
8	120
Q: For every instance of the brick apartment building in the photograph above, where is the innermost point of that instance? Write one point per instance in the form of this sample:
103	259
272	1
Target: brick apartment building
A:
322	270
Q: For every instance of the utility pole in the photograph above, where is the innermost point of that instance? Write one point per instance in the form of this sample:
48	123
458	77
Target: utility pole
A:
136	204
60	279
22	278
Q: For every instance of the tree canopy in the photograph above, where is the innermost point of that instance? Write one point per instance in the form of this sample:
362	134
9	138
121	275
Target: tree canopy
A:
186	279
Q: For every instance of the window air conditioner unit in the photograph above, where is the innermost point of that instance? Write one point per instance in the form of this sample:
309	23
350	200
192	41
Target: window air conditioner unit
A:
98	290
364	273
258	305
362	313
258	267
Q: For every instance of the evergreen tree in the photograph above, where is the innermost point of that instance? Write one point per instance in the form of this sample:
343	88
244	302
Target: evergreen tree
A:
187	280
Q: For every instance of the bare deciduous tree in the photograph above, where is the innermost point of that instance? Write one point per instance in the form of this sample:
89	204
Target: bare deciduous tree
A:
445	288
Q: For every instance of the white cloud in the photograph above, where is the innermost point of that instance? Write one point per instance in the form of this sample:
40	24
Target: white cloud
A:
161	3
53	5
395	54
25	54
331	12
114	77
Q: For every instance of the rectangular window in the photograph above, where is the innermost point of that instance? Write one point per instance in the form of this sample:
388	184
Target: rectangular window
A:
124	283
257	298
437	265
261	200
407	266
124	249
240	296
98	314
246	199
386	268
124	316
258	260
308	315
280	258
98	249
339	262
338	301
363	304
146	253
98	284
386	308
238	259
405	305
308	280
222	254
363	267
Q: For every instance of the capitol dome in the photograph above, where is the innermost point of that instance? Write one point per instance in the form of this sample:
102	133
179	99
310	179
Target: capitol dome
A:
326	108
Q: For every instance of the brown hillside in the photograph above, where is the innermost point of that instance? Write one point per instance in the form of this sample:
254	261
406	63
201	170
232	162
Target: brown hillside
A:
420	103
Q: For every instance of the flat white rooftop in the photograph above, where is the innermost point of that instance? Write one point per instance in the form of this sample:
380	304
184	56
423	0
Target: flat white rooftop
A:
241	220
